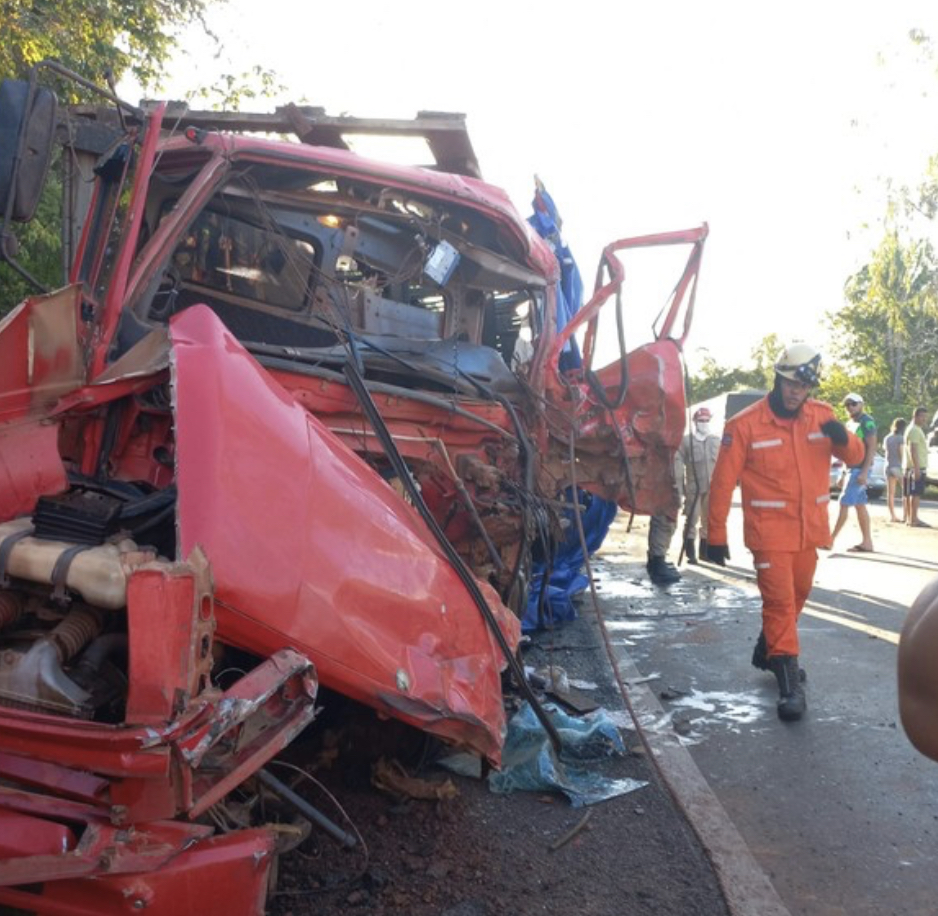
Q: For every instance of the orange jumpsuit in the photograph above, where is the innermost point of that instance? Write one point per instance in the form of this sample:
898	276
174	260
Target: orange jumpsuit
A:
783	468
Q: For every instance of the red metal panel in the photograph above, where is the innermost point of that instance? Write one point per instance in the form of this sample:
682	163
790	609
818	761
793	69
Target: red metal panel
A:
115	300
30	466
310	548
22	835
220	876
170	639
62	781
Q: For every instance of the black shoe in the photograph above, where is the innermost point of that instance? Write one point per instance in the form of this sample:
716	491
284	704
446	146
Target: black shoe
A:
690	551
661	572
791	699
703	550
760	658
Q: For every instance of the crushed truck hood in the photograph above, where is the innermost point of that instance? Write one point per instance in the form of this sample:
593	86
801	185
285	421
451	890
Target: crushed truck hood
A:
311	548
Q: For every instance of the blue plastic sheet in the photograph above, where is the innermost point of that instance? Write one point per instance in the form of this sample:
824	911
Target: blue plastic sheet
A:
567	579
529	762
546	222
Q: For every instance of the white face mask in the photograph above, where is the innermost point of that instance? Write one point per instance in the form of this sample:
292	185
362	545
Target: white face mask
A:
702	430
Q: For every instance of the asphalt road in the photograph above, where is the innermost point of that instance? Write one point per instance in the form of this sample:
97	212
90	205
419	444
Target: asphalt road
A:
839	810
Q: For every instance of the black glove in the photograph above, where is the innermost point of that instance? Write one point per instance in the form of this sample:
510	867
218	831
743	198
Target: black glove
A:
835	431
718	554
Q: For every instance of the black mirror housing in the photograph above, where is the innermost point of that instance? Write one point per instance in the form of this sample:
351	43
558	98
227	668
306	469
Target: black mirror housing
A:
27	132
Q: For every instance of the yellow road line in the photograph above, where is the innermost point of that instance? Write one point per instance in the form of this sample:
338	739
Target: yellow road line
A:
878	632
813	609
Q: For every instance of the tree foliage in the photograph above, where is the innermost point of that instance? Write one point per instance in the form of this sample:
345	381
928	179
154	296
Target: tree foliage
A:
889	328
94	37
230	91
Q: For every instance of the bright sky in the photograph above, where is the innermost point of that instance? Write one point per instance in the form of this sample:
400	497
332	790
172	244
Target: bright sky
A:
763	120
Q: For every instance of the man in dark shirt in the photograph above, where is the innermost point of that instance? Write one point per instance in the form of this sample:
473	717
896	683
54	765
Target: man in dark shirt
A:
854	491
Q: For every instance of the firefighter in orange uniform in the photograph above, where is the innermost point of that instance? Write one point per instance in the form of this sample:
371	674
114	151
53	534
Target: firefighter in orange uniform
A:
779	451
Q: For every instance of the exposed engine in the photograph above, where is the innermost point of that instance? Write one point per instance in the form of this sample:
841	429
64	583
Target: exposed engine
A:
63	574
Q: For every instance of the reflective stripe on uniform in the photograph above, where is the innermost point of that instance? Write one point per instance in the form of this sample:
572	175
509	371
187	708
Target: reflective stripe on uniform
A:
766	443
816	436
769	503
825	498
763	565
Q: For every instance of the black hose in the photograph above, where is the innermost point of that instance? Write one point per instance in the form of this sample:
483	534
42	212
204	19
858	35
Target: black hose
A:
357	384
102	648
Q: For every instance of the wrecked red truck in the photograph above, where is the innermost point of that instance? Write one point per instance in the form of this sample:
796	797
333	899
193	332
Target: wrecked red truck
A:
297	419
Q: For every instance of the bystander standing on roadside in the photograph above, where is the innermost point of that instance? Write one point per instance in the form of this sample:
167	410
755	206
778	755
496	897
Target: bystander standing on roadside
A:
915	464
894	444
693	468
854	492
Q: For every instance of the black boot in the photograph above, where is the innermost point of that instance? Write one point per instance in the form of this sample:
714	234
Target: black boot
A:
791	698
661	572
703	550
689	551
760	658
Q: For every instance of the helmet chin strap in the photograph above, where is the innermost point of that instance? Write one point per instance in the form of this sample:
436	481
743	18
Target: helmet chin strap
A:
778	405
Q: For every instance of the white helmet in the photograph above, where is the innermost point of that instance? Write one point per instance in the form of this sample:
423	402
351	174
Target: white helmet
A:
799	362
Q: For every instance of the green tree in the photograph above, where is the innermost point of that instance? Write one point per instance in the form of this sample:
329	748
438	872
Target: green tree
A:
888	331
95	37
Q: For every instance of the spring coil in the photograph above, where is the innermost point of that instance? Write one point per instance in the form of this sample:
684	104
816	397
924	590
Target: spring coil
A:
11	609
82	624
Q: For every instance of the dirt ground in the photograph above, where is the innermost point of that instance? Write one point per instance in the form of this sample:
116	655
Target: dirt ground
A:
483	854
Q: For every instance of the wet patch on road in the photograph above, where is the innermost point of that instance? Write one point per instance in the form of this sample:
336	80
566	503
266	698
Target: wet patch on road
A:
635	596
683	618
691	716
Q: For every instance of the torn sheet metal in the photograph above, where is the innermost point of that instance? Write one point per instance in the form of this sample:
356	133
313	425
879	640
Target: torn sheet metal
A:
75	842
42	355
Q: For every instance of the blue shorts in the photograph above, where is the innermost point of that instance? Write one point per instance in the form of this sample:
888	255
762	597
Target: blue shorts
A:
853	494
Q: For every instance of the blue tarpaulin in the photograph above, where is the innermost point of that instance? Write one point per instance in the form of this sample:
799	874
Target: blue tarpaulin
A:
566	578
529	762
547	222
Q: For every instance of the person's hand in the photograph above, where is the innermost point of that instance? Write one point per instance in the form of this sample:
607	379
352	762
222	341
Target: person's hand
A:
862	478
718	554
835	431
